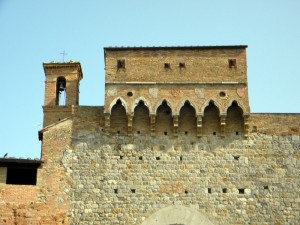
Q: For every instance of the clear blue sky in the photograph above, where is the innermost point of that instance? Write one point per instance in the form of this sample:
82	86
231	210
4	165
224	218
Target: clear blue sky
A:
33	32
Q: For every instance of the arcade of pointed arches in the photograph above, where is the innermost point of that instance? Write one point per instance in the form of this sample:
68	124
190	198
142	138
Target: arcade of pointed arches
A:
186	119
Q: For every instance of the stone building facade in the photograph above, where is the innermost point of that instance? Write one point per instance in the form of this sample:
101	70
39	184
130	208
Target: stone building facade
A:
174	143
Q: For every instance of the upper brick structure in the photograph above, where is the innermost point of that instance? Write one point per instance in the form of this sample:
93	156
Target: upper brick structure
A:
197	77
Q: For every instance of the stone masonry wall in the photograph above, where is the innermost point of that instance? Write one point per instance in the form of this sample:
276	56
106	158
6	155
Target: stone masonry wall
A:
121	180
90	176
118	179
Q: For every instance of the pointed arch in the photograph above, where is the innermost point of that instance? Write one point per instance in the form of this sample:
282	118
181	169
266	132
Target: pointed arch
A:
182	103
141	119
164	119
118	118
235	102
160	103
187	120
137	101
234	120
113	102
204	106
211	120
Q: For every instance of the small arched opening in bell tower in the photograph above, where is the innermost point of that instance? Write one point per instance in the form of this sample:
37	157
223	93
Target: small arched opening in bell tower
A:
61	91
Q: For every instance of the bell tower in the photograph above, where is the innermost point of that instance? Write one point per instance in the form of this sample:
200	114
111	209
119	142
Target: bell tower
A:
61	90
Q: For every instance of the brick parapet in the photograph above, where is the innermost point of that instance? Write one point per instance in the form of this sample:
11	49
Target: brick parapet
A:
275	123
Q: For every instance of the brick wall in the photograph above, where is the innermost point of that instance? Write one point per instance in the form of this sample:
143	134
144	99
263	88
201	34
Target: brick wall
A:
206	76
47	202
275	123
201	65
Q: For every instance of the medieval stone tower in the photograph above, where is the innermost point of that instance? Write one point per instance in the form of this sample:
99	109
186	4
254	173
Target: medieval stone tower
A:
174	143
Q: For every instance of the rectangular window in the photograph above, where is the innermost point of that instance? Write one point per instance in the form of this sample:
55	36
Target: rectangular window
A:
181	65
232	63
25	176
167	66
121	64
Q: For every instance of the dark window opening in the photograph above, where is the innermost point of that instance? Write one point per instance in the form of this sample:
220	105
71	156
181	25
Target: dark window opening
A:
209	190
141	158
214	133
24	176
186	191
232	63
129	94
180	158
181	65
266	187
236	157
116	191
254	129
186	133
165	133
236	133
224	190
133	191
61	91
121	157
241	190
157	158
121	64
118	132
167	65
138	132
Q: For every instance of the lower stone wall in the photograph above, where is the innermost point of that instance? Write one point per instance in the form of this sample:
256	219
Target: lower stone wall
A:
125	180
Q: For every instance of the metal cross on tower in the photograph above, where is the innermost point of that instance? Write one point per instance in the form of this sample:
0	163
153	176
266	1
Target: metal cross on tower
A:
63	53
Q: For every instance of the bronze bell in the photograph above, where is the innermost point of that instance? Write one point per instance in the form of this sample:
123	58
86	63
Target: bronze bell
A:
61	87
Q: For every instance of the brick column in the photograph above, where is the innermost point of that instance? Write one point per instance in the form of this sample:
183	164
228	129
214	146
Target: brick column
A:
129	127
246	125
199	125
152	124
223	124
175	125
107	121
